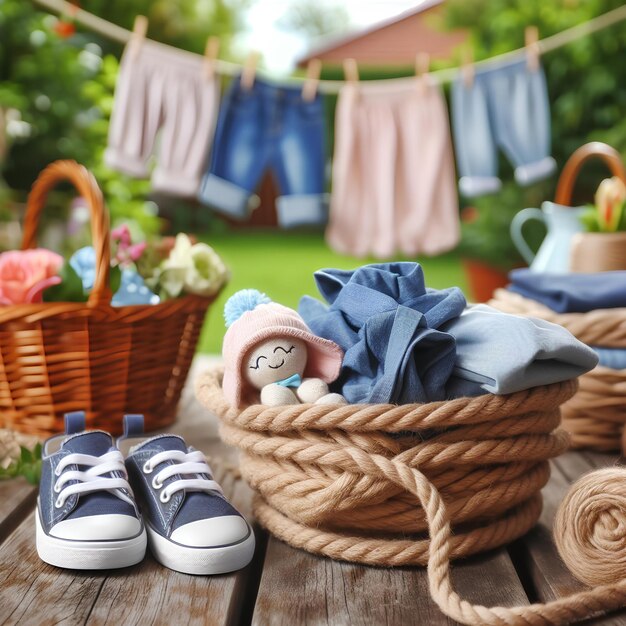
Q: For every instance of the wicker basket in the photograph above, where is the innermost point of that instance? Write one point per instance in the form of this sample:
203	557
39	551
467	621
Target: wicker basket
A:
596	415
593	252
107	361
344	481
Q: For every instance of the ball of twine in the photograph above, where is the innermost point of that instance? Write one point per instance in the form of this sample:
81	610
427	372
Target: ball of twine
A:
590	527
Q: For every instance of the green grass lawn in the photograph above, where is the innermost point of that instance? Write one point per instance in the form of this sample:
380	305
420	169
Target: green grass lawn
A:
282	264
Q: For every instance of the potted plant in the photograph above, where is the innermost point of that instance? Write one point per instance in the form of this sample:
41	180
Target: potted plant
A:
602	247
487	250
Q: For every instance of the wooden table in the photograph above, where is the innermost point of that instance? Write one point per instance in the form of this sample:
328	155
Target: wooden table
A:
282	586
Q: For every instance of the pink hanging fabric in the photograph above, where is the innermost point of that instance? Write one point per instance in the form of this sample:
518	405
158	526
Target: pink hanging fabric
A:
394	185
163	99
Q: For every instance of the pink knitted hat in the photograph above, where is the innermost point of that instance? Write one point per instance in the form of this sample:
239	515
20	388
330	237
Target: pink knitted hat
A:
264	321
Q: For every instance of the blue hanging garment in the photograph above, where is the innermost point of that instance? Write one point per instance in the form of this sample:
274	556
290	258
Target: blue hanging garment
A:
507	107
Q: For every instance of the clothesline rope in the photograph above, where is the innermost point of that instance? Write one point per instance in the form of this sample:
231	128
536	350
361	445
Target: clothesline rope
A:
553	42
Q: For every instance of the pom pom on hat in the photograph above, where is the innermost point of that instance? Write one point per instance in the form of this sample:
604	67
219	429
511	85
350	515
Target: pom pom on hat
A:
241	302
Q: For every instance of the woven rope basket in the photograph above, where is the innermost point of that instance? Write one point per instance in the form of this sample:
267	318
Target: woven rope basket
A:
596	415
338	480
59	357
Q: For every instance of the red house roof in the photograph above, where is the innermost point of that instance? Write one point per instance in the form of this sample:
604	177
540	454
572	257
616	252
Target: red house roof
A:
395	41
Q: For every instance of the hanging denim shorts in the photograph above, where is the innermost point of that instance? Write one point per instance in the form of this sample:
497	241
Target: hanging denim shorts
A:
268	127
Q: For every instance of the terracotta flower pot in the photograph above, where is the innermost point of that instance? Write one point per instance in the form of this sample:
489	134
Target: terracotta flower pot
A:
598	252
483	279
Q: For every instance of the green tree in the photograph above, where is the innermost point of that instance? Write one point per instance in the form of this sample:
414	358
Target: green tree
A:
185	24
315	19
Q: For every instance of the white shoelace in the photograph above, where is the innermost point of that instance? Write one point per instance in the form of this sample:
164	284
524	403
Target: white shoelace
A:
190	463
92	479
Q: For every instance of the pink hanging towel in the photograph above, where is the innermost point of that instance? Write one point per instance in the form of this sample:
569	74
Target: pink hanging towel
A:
394	185
164	93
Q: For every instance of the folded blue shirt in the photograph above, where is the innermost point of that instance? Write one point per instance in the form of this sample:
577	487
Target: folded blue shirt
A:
387	323
500	353
406	343
571	293
615	358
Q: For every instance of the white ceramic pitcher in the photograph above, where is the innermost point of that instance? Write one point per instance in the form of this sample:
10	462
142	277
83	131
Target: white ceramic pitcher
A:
562	223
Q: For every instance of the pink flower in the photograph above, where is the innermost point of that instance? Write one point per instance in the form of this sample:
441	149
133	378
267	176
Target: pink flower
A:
24	274
126	252
121	234
136	250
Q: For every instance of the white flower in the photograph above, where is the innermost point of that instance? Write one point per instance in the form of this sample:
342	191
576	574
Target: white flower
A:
193	268
10	442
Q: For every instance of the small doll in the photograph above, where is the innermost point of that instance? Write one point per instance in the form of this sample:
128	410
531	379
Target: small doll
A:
269	348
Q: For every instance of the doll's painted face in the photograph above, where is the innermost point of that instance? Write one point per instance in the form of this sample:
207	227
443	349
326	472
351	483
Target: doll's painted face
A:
274	359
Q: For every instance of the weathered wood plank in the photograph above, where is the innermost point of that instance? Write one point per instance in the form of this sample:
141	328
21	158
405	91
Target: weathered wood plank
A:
154	594
598	460
300	588
17	497
33	592
548	576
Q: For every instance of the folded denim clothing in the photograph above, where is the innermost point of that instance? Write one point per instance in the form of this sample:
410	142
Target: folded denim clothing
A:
389	326
571	293
615	358
406	343
501	353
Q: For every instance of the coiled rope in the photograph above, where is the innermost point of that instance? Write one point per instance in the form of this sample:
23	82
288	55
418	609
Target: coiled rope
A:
352	482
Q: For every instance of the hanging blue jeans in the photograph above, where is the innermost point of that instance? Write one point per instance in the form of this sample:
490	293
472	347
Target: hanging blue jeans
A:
272	127
505	107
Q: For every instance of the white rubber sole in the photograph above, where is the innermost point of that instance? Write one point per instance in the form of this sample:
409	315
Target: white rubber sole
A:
89	555
201	561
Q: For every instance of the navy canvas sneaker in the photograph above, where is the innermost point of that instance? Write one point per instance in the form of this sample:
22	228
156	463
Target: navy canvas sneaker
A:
86	513
191	526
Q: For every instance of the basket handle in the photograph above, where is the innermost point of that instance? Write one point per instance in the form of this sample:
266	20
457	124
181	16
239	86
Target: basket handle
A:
594	149
85	183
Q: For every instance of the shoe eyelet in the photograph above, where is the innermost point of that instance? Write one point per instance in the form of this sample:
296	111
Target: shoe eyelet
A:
147	468
156	484
164	497
59	503
57	472
56	488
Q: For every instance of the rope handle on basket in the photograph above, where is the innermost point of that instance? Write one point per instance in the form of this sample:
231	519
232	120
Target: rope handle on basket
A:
85	183
591	150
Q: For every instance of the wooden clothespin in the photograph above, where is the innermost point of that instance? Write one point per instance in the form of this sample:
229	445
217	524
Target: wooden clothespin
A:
467	68
309	89
351	71
531	37
248	73
211	50
140	30
422	67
